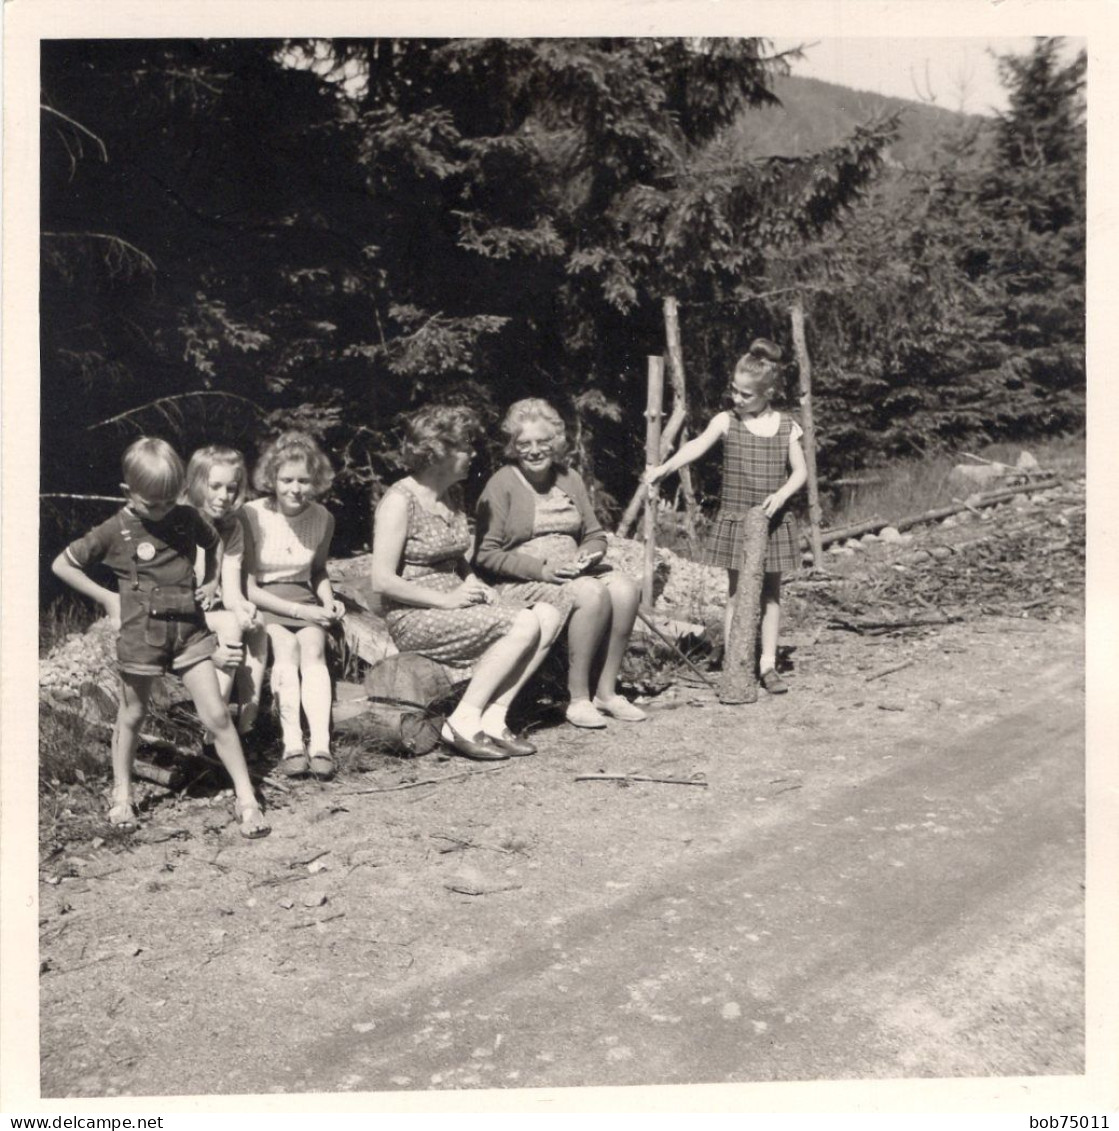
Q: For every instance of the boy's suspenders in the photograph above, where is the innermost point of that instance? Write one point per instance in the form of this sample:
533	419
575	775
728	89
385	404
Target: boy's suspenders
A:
126	534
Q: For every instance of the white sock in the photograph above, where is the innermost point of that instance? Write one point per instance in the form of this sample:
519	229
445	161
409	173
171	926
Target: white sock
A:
767	661
466	720
493	719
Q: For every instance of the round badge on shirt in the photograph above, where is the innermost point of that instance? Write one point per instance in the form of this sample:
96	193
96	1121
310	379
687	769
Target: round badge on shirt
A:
145	551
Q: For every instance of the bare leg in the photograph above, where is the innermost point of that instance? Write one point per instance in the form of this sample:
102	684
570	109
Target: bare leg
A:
285	684
224	624
728	612
771	620
590	620
625	596
550	621
314	681
503	660
250	678
200	680
134	695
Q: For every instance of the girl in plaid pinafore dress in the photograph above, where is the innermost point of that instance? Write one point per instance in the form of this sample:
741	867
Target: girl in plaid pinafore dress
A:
763	466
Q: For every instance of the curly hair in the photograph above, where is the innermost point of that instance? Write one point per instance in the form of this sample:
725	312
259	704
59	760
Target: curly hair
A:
760	365
151	467
290	447
434	431
198	473
534	409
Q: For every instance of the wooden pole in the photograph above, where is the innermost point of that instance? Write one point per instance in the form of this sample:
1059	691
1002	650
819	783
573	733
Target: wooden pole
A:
671	429
652	456
805	367
739	683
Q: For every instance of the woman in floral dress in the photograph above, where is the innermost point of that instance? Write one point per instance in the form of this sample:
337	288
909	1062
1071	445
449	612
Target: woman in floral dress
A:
435	605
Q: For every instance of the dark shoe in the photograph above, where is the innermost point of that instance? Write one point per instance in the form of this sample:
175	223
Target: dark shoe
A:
517	747
773	683
322	765
294	764
481	748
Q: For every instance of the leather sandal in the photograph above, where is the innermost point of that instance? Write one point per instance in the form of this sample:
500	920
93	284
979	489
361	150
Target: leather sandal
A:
481	747
322	765
516	746
250	820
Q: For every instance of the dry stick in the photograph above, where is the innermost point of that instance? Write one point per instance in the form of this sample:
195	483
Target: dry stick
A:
652	454
890	670
648	620
679	411
804	365
637	777
739	683
425	781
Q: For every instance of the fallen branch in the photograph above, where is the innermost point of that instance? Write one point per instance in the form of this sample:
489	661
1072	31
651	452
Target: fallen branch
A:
638	777
424	781
647	620
889	671
316	922
888	625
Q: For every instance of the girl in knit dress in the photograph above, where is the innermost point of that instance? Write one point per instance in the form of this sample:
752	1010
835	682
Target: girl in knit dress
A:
763	465
435	605
287	540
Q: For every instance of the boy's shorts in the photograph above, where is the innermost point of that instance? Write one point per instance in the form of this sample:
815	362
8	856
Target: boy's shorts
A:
149	645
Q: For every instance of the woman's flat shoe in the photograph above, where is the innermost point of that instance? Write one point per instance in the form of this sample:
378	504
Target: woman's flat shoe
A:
516	746
583	713
481	747
294	764
618	707
773	683
250	820
322	765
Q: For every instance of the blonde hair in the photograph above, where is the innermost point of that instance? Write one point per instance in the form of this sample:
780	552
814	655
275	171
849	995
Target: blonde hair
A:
434	431
524	412
292	447
760	366
198	473
152	468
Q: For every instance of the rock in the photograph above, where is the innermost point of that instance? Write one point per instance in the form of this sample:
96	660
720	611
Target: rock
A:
854	544
1027	462
841	551
870	539
983	474
317	866
314	899
286	904
940	552
889	534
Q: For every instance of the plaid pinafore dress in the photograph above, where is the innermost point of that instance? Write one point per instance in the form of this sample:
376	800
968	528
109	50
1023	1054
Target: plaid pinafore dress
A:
753	467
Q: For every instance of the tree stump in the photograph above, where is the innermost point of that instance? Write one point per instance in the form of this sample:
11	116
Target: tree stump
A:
739	683
400	712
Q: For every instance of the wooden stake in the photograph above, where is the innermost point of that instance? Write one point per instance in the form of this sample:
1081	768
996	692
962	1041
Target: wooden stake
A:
740	682
804	365
652	456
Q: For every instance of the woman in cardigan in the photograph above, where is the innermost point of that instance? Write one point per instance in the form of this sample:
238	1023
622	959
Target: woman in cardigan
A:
538	540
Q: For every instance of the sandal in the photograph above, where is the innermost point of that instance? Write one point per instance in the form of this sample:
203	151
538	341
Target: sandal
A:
250	820
294	764
322	765
123	816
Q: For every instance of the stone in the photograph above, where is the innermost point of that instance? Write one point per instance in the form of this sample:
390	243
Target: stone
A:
889	534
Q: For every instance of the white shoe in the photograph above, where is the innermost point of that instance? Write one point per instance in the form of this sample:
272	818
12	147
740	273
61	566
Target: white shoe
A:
582	713
618	707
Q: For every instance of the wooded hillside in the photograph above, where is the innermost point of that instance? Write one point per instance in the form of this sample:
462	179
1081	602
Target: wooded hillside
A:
240	236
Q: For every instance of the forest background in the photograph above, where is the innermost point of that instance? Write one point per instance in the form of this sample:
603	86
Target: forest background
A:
240	236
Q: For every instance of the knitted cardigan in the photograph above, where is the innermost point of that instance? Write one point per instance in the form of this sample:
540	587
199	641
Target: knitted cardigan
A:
505	515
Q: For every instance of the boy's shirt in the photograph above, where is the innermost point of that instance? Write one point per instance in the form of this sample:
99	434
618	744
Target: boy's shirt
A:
163	551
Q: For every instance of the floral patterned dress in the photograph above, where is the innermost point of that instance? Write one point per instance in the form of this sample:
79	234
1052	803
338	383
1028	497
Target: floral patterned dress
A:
434	548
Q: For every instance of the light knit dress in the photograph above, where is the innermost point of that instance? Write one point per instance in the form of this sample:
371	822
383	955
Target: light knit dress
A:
283	551
435	546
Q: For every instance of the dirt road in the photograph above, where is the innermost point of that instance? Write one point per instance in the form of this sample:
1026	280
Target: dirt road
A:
878	879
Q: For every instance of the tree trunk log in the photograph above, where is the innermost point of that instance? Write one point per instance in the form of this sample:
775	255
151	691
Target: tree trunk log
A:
739	683
652	451
804	365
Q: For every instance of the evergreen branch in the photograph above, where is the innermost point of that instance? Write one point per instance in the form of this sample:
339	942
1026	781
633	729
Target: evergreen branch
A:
78	126
160	403
146	260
